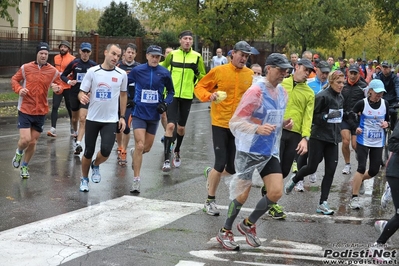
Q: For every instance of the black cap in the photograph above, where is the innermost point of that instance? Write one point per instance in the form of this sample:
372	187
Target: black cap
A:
306	63
353	68
276	59
358	59
155	50
323	66
243	46
42	46
66	43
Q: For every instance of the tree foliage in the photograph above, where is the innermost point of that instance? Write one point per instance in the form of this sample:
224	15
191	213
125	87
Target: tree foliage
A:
117	20
218	22
4	6
313	23
387	13
87	19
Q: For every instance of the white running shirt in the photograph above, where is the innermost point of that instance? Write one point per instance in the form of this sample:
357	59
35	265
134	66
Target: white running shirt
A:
104	87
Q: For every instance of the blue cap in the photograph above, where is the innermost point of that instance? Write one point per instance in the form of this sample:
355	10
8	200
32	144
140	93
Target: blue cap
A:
377	86
85	46
155	50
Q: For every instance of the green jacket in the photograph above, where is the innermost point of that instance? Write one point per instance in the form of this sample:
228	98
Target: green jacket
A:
300	105
186	68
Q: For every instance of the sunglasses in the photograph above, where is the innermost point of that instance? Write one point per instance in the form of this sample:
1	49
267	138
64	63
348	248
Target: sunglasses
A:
86	51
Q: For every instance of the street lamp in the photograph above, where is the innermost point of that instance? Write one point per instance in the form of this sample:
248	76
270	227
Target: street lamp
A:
45	11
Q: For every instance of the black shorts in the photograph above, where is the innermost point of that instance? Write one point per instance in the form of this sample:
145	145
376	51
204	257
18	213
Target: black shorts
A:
75	103
345	125
224	148
178	111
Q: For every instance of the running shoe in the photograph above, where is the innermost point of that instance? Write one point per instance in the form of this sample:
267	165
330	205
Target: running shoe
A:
176	160
380	225
162	139
135	186
386	196
362	189
276	212
313	178
211	208
294	167
250	234
16	161
355	204
52	132
73	132
206	174
289	185
24	172
299	186
122	158
226	238
78	149
166	166
84	184
95	175
324	209
119	151
347	169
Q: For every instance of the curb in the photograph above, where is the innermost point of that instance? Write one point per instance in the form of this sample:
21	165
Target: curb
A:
10	120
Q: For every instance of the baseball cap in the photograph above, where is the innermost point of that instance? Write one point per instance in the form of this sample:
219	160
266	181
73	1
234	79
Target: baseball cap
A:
353	68
243	46
276	59
358	59
85	46
42	46
307	63
375	61
155	50
370	62
323	66
385	64
66	43
377	86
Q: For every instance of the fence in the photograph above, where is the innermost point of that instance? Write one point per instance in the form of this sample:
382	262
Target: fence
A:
19	48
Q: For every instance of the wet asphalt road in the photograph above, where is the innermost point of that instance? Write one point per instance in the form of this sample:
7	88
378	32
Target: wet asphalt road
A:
53	190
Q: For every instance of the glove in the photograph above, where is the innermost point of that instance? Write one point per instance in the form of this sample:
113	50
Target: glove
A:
353	116
162	107
130	104
333	114
221	95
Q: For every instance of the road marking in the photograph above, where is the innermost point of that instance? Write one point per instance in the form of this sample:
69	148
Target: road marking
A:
68	236
65	237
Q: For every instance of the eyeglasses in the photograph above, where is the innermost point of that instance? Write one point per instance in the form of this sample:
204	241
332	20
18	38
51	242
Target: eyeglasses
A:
86	51
258	74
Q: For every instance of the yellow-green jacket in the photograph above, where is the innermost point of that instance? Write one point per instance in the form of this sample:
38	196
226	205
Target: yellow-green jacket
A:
186	68
300	105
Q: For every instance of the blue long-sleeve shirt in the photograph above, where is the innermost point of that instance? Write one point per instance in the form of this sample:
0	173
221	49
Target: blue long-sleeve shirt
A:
150	83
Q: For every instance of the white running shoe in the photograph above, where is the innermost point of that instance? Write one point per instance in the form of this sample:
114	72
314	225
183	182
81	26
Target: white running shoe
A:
299	186
347	169
355	204
386	196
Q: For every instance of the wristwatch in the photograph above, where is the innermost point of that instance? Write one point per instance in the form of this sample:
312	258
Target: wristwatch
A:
307	138
122	116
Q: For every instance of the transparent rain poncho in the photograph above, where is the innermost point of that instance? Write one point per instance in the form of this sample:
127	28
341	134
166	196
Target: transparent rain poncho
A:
261	104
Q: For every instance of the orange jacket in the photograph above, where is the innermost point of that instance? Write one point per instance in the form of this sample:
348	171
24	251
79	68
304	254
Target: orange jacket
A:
234	81
60	63
38	81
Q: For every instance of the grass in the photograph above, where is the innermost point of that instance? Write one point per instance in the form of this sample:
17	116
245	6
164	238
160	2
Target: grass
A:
12	96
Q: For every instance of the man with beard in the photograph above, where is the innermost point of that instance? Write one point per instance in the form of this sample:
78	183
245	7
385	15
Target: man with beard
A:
60	62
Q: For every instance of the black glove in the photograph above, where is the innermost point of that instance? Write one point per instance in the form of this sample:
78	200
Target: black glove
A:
333	114
162	107
352	116
130	104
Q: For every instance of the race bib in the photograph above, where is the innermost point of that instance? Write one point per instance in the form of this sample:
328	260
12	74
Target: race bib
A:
274	117
80	76
149	96
103	94
374	134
